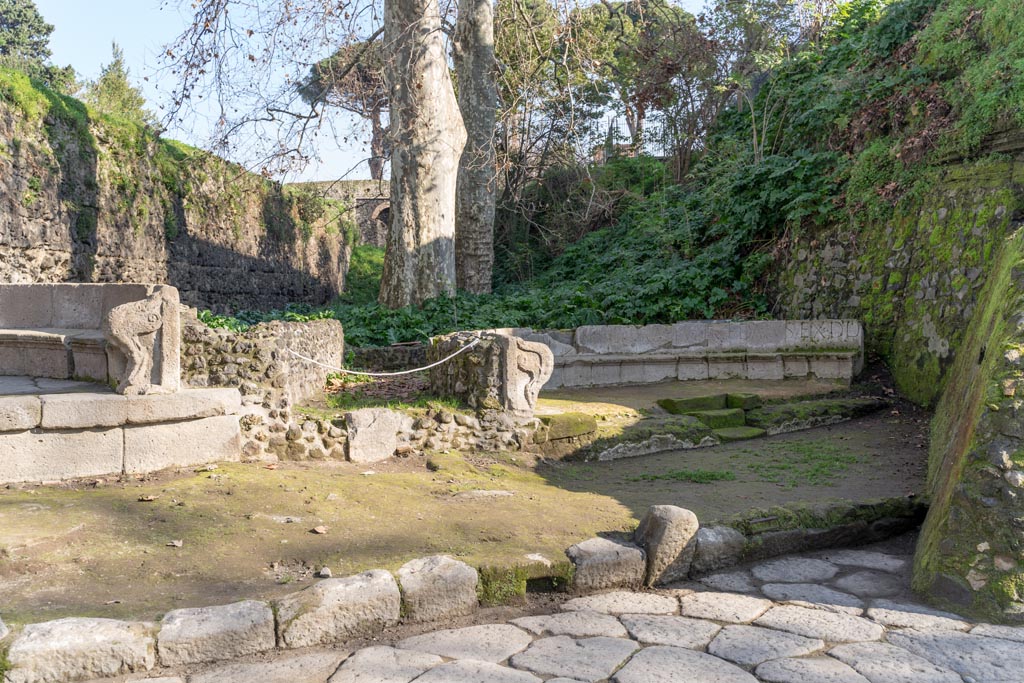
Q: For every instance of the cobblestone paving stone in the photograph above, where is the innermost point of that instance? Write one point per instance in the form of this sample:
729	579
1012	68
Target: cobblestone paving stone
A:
792	628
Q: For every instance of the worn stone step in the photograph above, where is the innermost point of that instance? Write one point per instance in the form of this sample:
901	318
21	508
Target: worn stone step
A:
682	406
745	401
718	419
739	433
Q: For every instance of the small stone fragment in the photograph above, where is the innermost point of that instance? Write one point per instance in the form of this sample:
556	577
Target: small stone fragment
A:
751	645
668	535
437	587
735	609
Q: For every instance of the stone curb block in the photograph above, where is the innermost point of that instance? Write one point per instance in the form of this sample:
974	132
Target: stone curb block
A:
436	588
603	563
335	609
668	535
207	634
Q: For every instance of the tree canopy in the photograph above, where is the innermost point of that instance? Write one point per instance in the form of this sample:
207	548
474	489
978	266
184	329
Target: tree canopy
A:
25	44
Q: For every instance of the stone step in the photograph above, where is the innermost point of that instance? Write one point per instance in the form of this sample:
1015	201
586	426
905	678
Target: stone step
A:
717	419
727	434
684	406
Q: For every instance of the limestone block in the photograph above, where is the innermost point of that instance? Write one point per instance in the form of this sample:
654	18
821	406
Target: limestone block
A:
26	306
668	535
336	609
437	587
89	356
527	367
764	335
148	448
50	456
815	334
183	405
648	370
831	367
690	368
206	634
765	366
606	373
77	649
78	306
625	339
603	563
726	336
727	366
18	413
555	381
83	411
794	365
577	374
717	547
38	355
146	332
559	347
373	433
690	335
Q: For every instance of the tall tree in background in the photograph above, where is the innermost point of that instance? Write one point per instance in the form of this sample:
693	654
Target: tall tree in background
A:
113	93
428	137
24	45
475	69
353	80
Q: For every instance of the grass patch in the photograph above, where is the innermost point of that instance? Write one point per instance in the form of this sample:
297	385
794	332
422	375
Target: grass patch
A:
692	476
816	463
362	284
355	400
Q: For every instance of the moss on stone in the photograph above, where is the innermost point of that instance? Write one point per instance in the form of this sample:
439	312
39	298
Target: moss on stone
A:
743	401
782	414
682	406
501	585
726	434
719	419
569	425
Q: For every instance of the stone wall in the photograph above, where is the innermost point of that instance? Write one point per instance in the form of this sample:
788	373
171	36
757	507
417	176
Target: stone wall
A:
271	380
939	288
99	201
368	204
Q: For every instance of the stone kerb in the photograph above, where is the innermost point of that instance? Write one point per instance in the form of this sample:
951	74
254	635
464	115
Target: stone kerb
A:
603	355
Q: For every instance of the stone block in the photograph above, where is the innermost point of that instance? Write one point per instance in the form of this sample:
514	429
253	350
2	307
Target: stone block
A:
764	335
189	404
373	433
648	370
437	587
727	366
604	563
50	456
78	306
831	367
42	355
743	401
569	425
207	634
668	535
148	448
18	413
682	406
577	374
765	366
555	381
824	334
26	306
692	369
794	365
83	411
624	339
726	336
717	547
334	610
89	357
311	667
726	434
718	419
690	335
77	649
605	374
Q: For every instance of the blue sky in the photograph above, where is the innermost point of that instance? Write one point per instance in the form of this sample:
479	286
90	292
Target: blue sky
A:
84	31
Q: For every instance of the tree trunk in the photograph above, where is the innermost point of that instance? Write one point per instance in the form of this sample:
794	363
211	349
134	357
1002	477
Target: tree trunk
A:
478	99
378	145
427	137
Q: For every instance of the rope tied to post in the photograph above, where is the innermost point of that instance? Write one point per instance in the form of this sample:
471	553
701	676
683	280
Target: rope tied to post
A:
467	347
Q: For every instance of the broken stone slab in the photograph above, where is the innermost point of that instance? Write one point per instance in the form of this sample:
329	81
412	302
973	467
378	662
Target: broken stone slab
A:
587	659
373	433
727	607
314	667
658	629
468	671
970	655
76	649
577	624
437	587
623	602
18	413
752	645
804	669
603	563
207	634
885	663
487	643
666	664
335	609
668	535
717	547
384	665
794	570
816	623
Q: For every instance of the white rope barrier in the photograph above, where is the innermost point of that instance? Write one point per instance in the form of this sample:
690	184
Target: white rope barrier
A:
467	347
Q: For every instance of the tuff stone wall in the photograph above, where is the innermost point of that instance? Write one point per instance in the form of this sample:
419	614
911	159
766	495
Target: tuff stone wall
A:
98	201
271	380
938	285
367	204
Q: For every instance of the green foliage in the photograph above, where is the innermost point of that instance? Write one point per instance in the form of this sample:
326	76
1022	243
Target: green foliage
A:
24	45
362	284
501	585
113	93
